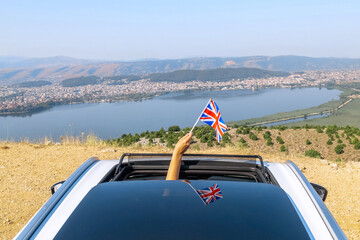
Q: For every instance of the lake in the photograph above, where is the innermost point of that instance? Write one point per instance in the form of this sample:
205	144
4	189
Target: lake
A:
111	120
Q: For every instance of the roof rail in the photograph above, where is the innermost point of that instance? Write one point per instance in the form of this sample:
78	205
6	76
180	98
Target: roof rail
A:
189	155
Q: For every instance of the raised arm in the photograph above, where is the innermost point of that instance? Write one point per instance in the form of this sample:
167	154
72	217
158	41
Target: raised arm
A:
180	148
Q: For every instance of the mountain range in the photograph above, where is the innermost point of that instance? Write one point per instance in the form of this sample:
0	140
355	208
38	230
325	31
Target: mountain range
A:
14	70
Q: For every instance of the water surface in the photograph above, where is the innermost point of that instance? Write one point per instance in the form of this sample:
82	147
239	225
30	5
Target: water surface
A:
111	120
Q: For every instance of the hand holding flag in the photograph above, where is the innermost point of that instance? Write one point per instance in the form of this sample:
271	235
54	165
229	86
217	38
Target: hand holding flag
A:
211	116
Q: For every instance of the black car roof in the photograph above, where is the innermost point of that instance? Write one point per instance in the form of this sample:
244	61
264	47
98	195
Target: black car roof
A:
173	210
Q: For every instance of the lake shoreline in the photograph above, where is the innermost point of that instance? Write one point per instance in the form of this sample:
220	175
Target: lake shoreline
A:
111	120
29	111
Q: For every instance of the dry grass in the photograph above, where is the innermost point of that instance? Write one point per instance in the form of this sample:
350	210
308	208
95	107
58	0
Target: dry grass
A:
28	170
295	142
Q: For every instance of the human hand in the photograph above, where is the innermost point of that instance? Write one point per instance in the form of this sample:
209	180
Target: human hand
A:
183	144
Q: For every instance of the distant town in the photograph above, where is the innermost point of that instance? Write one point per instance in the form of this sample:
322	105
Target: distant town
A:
19	99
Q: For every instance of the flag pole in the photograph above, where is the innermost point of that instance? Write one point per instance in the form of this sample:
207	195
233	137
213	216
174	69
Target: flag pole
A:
189	183
200	115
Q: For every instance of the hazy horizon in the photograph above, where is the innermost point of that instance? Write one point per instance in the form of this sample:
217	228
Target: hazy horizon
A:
136	30
20	58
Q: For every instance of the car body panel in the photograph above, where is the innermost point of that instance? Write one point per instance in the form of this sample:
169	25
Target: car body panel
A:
324	212
174	210
291	185
34	224
305	199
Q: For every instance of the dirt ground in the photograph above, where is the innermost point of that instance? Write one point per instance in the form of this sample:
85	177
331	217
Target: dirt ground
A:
28	170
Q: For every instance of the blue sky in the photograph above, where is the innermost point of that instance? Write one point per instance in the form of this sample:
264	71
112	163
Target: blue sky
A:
134	29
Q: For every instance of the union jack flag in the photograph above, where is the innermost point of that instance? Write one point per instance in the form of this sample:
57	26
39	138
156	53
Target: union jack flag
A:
212	116
210	194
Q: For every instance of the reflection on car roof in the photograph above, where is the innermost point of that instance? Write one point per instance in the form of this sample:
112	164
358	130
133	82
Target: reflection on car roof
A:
173	210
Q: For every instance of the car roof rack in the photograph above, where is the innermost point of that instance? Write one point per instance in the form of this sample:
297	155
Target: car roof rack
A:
198	157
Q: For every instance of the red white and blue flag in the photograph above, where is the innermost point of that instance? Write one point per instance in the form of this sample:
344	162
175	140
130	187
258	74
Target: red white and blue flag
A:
210	194
212	116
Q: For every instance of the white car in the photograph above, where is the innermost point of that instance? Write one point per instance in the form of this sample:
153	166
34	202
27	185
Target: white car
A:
216	196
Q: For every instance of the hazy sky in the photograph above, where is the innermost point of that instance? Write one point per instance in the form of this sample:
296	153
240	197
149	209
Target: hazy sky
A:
128	30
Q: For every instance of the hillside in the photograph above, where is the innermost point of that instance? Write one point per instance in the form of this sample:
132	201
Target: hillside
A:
27	170
80	81
218	74
31	84
59	68
179	76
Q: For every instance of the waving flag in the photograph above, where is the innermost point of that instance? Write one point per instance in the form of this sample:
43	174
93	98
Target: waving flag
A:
210	194
212	116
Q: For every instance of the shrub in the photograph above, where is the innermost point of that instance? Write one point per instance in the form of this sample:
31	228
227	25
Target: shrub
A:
245	145
267	135
169	145
162	132
226	138
242	140
355	141
243	130
125	140
203	139
174	129
280	140
282	128
196	147
339	149
339	141
308	142
282	148
260	128
329	142
313	153
331	129
269	142
319	130
151	141
253	136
